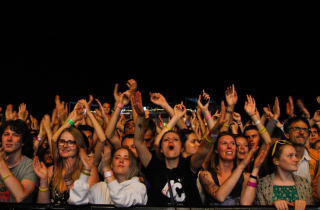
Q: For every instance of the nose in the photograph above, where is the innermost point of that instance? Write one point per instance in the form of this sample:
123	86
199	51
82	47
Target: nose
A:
9	138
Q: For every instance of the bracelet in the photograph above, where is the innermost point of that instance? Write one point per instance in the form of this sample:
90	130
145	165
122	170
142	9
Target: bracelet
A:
251	115
206	138
6	177
226	125
108	174
213	135
70	122
120	105
68	180
167	127
38	138
207	117
252	184
257	122
87	170
84	173
193	126
240	125
254	177
262	131
228	111
43	190
70	184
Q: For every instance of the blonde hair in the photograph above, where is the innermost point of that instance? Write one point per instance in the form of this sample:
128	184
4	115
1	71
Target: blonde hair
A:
133	167
58	181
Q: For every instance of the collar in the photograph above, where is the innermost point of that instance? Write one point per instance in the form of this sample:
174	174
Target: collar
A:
306	156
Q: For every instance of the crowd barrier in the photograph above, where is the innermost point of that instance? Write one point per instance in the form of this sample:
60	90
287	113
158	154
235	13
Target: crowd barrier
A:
15	206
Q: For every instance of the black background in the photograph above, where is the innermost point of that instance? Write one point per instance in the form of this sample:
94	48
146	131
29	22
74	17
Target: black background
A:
75	49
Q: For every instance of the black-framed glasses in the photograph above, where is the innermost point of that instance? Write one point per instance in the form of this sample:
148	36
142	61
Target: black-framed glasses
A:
298	129
70	143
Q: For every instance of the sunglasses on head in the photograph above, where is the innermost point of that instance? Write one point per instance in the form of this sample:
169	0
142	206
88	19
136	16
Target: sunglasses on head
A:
279	142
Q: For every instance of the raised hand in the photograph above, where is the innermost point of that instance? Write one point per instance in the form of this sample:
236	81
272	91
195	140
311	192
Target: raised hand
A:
237	117
305	112
137	103
290	107
231	96
54	117
23	113
116	95
90	100
101	110
247	159
250	106
179	110
158	99
200	105
106	158
87	163
316	116
261	157
276	109
69	168
132	85
9	113
40	169
125	98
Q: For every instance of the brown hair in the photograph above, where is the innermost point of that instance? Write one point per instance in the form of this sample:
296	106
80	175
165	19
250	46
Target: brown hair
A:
58	181
133	168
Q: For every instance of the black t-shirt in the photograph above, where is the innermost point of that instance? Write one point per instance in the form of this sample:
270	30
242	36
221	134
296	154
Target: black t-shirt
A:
182	179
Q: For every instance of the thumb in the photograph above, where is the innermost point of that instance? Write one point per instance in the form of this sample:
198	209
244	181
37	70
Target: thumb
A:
290	204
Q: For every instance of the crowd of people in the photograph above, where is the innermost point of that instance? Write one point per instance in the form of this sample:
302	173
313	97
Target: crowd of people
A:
197	159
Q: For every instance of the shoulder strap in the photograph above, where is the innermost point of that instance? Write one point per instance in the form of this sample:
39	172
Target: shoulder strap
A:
170	191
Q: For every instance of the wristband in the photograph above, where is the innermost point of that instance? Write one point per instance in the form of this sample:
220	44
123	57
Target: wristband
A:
43	190
240	123
70	184
262	131
193	126
38	138
254	177
167	127
206	138
228	111
252	184
207	117
120	105
108	174
251	115
6	177
68	180
70	122
184	119
84	173
213	135
257	122
226	125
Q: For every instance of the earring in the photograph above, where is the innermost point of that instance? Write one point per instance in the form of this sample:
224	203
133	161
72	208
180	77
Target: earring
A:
277	161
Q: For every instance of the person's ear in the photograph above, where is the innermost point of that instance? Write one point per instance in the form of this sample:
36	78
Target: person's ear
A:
275	161
287	135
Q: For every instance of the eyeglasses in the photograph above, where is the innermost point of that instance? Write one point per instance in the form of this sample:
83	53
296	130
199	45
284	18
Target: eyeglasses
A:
70	143
279	142
299	129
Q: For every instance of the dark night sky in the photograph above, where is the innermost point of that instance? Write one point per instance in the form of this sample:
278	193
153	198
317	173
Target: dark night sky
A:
177	49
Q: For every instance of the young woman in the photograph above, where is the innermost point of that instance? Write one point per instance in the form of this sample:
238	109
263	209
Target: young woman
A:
281	188
57	180
173	179
121	187
190	142
242	147
18	179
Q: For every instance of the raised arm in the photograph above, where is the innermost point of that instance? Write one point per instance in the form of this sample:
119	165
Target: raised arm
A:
205	110
231	98
222	192
132	85
250	107
249	186
98	130
160	100
142	149
114	139
207	143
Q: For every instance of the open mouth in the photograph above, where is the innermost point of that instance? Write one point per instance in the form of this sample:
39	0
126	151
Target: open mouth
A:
242	152
171	147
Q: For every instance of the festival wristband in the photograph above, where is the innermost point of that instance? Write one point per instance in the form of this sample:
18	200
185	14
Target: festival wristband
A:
120	105
108	174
